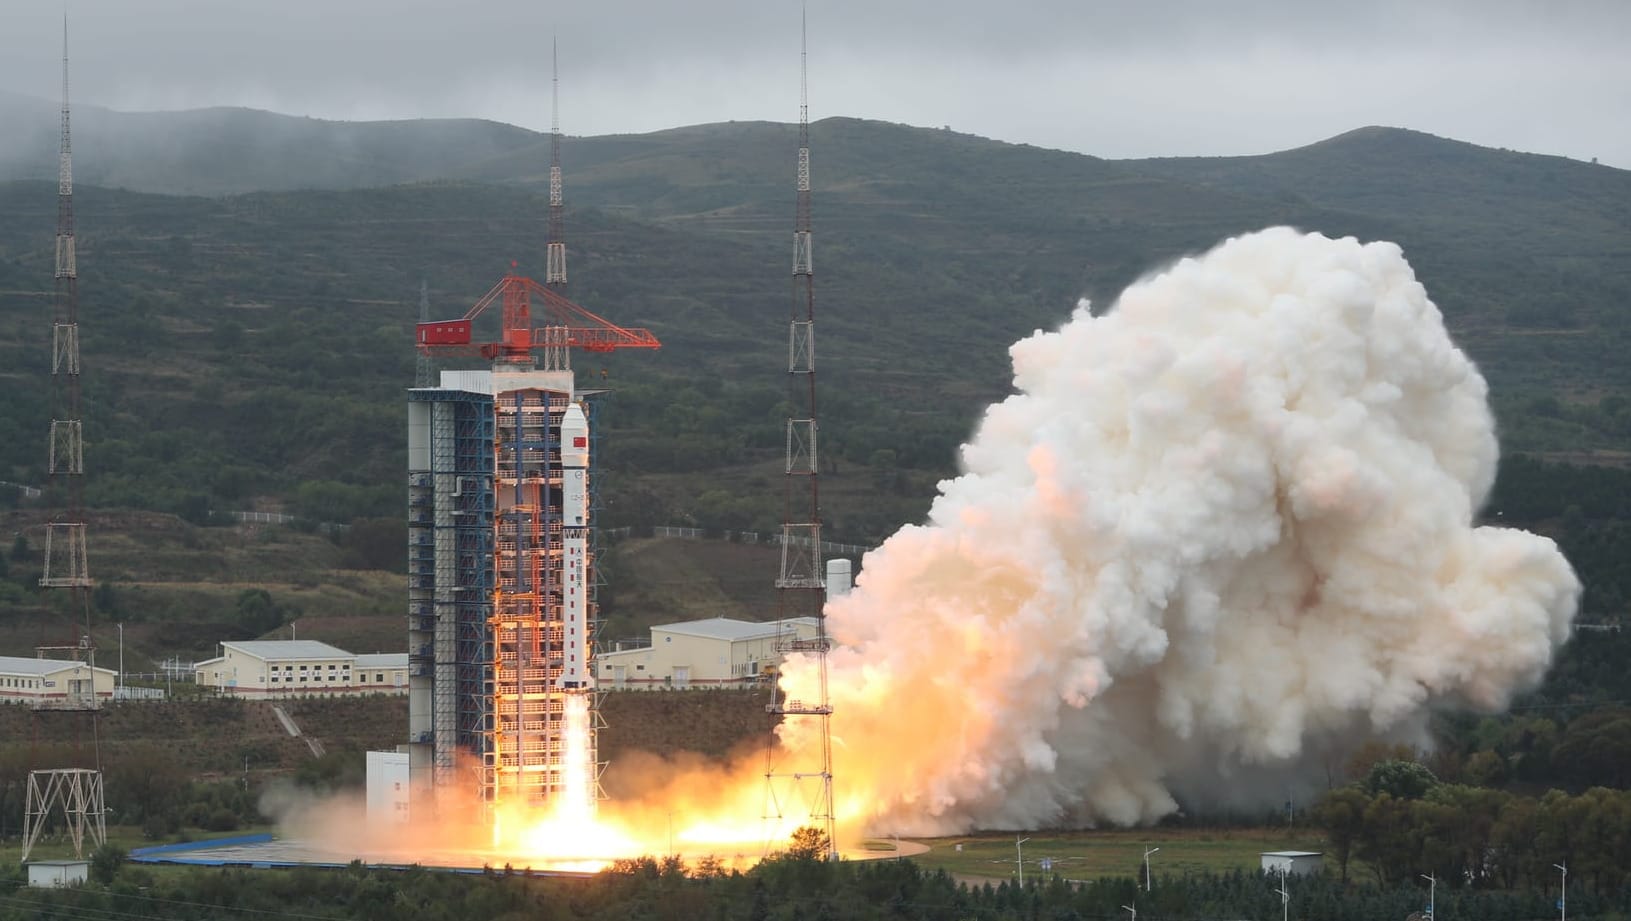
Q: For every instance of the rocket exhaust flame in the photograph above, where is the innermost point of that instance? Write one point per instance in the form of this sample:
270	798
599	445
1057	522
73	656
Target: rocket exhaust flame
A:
1219	533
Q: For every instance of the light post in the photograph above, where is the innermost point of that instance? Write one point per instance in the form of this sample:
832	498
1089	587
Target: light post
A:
1019	858
1432	895
1563	900
1147	853
121	660
1285	897
1133	910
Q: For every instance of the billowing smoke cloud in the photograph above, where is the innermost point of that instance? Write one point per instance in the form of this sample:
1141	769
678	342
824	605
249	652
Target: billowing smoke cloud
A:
1219	533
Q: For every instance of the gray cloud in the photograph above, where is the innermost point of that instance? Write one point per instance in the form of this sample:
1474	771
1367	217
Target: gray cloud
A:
1173	77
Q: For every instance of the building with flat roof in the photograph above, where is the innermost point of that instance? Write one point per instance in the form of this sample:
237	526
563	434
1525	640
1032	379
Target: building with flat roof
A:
300	668
1291	863
58	874
43	682
716	652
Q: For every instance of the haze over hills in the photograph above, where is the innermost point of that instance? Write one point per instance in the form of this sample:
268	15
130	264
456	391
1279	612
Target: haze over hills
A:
254	342
224	151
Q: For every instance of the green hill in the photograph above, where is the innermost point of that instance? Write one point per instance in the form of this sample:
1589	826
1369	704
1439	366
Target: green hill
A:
251	349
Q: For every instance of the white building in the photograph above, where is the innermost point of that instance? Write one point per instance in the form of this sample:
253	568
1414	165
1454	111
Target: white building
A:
45	682
297	668
58	874
717	652
382	672
387	779
1291	863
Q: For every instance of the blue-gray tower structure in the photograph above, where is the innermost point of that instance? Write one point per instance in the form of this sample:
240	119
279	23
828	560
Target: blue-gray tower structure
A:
451	579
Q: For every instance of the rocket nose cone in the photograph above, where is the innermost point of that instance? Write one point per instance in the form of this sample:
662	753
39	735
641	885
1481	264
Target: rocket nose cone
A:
574	416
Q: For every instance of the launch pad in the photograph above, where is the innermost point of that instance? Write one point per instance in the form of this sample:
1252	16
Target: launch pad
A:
266	852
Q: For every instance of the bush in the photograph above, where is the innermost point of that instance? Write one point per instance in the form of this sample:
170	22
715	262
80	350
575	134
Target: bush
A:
105	863
222	819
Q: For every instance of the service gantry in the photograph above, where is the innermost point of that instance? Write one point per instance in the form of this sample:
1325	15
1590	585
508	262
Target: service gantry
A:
502	611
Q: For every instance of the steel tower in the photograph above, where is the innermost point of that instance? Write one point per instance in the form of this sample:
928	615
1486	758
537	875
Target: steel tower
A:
422	371
801	583
65	557
555	255
73	793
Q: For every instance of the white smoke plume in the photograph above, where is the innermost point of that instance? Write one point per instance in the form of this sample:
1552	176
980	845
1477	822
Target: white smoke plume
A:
1218	533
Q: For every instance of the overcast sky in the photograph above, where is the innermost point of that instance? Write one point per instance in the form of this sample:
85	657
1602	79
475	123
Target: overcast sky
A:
1115	79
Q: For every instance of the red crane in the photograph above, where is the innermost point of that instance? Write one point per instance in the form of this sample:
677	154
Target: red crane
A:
566	324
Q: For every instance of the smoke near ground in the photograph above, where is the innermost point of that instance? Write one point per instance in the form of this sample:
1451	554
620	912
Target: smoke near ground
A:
1220	534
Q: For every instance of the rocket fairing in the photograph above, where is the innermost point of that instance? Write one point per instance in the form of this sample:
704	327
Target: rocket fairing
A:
576	672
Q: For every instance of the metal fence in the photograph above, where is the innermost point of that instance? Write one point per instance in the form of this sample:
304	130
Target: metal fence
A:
828	548
262	517
129	693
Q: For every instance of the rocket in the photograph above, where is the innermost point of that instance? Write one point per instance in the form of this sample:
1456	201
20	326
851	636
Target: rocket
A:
575	548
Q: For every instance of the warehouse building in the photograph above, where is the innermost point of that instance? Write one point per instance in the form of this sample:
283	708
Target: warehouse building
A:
712	653
301	668
42	682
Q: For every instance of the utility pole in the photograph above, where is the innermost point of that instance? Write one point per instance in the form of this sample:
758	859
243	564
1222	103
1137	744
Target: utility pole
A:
1147	853
1019	858
1563	900
1432	894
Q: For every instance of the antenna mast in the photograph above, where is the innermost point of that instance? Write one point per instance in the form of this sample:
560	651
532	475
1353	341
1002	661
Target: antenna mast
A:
555	262
801	585
65	555
74	792
422	376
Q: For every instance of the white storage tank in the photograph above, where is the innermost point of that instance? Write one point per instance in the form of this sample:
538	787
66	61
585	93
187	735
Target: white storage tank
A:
838	578
1291	863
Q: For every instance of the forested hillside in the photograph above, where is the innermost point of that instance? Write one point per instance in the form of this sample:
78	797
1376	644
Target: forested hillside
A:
255	346
251	349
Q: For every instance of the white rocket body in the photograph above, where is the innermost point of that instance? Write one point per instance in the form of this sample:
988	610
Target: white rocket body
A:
575	547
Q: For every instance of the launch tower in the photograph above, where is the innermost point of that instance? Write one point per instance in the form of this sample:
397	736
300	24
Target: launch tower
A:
501	604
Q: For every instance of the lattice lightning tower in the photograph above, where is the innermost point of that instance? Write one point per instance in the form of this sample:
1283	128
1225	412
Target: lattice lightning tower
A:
423	374
801	585
555	264
65	557
74	793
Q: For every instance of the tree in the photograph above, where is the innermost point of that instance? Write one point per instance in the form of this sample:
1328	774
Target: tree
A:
1400	779
256	612
105	863
19	547
1341	813
809	843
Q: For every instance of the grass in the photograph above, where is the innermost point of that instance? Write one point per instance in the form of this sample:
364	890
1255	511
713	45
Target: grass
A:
1088	855
129	837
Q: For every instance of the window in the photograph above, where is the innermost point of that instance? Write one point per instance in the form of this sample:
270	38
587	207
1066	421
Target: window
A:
363	678
379	676
274	679
302	668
